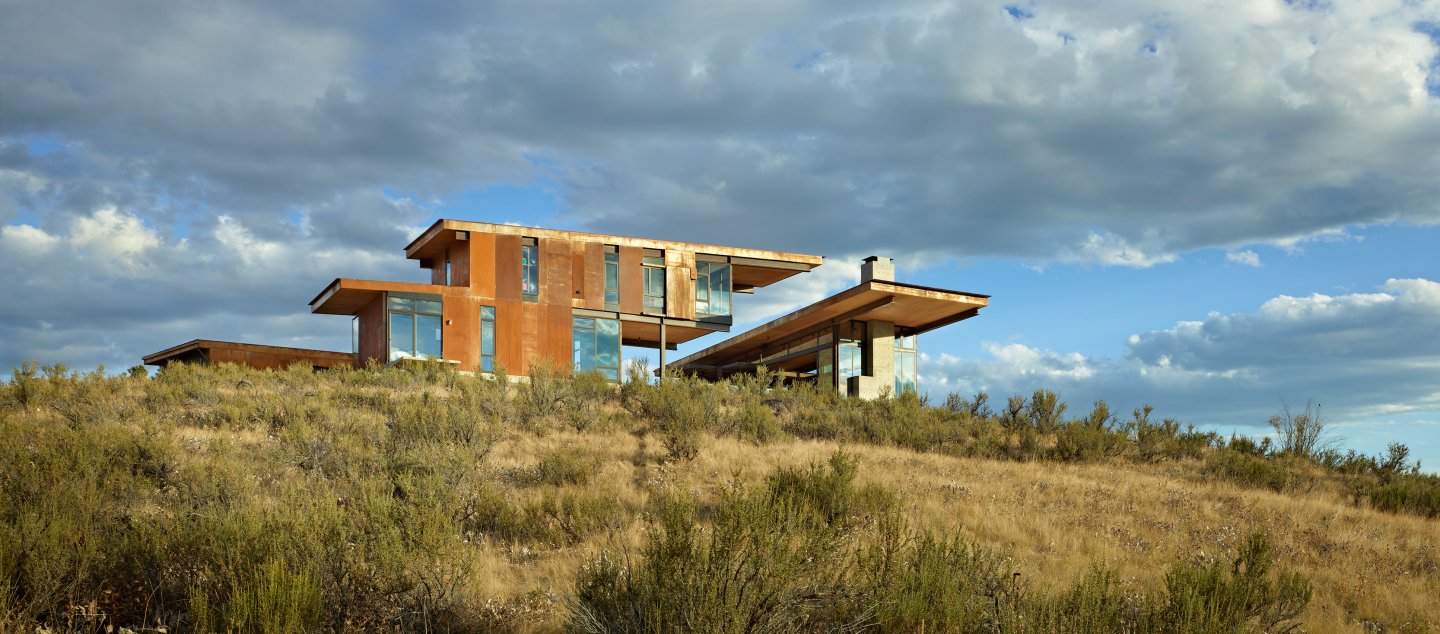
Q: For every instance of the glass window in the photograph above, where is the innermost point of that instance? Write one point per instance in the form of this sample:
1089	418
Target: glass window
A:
487	338
850	354
596	345
612	281
355	335
415	328
712	288
654	289
402	303
427	336
905	358
402	335
530	273
447	272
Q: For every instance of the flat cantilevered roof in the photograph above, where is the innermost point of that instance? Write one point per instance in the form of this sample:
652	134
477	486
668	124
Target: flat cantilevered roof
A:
916	309
751	268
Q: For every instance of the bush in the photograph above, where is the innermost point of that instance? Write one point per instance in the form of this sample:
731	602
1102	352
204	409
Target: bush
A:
1216	599
567	466
679	408
1276	474
273	599
1414	493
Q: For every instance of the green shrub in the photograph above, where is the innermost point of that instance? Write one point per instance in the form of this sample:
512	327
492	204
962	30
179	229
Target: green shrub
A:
1414	493
273	599
1249	471
1237	597
678	408
1045	411
567	466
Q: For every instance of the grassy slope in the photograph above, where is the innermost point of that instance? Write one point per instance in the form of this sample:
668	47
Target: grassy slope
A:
286	436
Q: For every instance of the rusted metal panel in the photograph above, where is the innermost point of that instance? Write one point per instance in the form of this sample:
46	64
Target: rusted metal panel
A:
460	264
679	293
577	274
558	336
372	331
482	254
555	275
632	296
531	337
507	267
594	276
437	273
462	331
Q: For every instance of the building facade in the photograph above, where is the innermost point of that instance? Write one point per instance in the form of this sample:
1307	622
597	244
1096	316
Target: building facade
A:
502	295
508	296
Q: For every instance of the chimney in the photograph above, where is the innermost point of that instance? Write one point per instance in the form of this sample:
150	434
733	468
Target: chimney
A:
877	268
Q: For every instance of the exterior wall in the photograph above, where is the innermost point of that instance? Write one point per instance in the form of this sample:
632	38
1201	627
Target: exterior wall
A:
372	332
880	353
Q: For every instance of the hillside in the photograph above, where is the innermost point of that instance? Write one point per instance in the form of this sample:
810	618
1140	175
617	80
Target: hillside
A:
215	499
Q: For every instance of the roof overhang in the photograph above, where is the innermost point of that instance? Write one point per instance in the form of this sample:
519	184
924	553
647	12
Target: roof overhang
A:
751	268
203	346
915	309
346	296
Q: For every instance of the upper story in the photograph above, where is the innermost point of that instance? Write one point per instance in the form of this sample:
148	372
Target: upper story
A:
599	272
518	290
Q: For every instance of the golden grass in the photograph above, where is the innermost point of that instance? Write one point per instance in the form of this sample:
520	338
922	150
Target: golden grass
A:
1052	519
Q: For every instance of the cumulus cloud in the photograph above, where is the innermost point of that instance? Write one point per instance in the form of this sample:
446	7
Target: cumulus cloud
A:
1362	355
1247	258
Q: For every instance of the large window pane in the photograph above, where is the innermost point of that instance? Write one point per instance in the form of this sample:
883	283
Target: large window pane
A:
720	289
427	337
402	335
402	303
608	343
422	306
487	338
584	349
487	312
612	278
530	270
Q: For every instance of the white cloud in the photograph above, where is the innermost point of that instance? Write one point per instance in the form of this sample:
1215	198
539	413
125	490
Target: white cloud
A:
1360	354
1247	258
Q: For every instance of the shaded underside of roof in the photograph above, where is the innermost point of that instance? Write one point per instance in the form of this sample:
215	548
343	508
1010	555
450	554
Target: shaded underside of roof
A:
915	309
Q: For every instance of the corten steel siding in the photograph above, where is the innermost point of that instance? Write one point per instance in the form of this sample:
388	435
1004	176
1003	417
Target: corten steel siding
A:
577	274
555	293
462	331
632	297
680	284
270	361
594	276
372	331
460	264
481	255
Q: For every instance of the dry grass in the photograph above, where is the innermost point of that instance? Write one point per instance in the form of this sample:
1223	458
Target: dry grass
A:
1055	519
267	439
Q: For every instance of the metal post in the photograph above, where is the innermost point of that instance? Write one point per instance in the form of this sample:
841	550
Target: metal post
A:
662	348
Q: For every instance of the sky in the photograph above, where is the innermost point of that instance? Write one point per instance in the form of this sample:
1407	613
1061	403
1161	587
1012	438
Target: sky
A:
1205	207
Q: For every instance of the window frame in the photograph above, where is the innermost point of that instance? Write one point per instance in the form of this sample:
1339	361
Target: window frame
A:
593	332
487	316
415	315
907	359
652	266
530	272
612	273
704	270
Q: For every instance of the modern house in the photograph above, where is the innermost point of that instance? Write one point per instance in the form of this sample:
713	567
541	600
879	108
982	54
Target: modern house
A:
502	295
